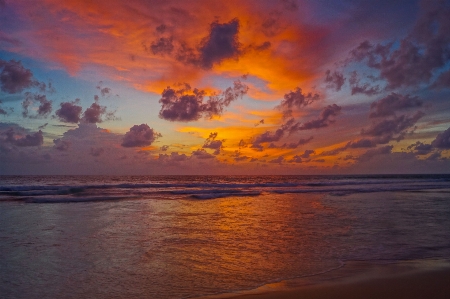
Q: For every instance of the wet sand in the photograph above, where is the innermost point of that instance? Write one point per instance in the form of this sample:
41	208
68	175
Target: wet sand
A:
398	281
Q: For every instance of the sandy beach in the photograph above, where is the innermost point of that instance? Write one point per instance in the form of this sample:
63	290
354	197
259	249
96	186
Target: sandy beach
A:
386	281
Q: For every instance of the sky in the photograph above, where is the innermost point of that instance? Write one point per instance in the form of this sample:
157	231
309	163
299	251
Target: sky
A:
224	87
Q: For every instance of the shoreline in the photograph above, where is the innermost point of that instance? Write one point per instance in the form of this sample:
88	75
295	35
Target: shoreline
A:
428	278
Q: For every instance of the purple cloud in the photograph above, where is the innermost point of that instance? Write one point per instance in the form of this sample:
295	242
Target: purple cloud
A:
221	43
61	145
295	100
14	77
69	112
162	46
386	129
96	151
384	150
44	109
420	148
139	136
214	144
324	119
97	114
184	105
418	56
202	154
33	139
442	140
334	80
393	102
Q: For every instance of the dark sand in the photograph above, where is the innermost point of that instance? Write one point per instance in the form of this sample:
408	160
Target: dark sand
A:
396	281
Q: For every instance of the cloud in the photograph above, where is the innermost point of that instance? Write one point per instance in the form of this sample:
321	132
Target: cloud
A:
96	151
162	46
390	128
173	159
364	88
97	114
361	143
16	138
418	56
69	112
296	99
292	145
324	119
221	43
334	80
296	159
186	105
278	160
442	140
443	81
214	144
420	148
44	109
61	145
139	136
387	149
307	153
14	77
202	154
164	148
393	102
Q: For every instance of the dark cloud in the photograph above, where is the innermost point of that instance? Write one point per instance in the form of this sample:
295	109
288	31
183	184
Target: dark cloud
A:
362	88
3	112
162	46
161	28
420	148
296	159
173	159
186	105
17	138
324	119
105	91
139	136
392	128
43	126
214	144
44	109
96	151
264	46
221	43
202	154
393	102
334	80
296	100
164	148
361	143
387	149
61	145
307	153
442	140
292	145
272	24
278	160
97	114
417	57
14	77
69	112
443	81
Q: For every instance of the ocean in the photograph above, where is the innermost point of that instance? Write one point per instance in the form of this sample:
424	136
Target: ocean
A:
193	236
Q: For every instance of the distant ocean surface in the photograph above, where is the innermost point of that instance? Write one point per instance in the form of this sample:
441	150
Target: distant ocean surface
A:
191	236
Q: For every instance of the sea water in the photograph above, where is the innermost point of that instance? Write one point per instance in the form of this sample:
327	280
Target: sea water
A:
190	236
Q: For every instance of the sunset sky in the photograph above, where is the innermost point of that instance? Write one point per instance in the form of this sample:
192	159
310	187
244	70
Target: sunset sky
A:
224	87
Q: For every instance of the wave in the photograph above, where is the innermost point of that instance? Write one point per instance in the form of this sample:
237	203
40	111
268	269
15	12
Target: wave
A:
185	189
